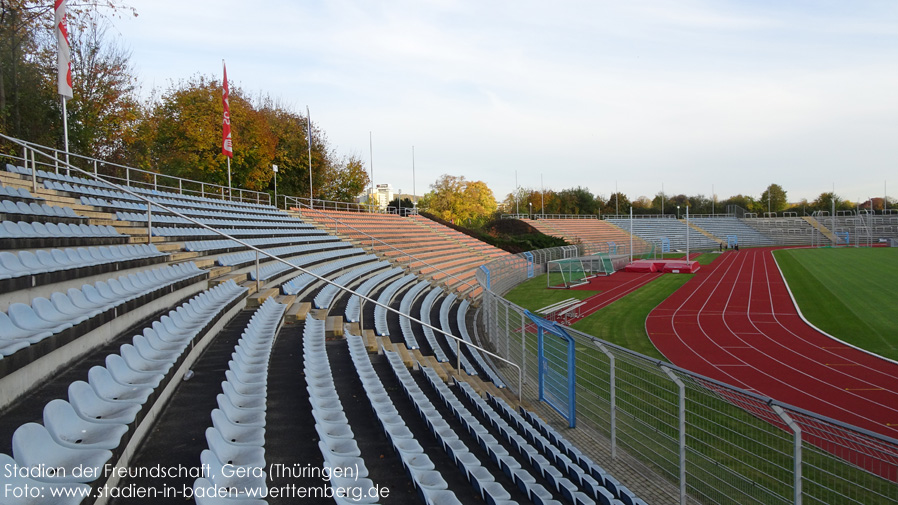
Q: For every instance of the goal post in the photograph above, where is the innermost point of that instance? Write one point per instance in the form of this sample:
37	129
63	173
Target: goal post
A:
566	273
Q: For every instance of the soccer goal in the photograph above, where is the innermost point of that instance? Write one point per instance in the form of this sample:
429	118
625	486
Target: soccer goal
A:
566	273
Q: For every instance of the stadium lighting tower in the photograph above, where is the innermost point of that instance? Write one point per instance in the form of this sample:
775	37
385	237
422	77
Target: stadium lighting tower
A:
274	168
678	212
530	204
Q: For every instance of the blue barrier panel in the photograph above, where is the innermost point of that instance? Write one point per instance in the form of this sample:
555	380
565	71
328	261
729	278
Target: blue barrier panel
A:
529	257
557	378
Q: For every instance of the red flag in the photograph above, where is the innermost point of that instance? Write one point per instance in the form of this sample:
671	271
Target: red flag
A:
226	147
64	53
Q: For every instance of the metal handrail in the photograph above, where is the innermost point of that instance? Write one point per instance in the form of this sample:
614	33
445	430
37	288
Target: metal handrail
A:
213	189
258	251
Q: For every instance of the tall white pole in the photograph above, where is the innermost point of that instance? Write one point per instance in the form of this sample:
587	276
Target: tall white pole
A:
415	198
631	234
713	198
616	201
309	125
542	190
65	130
230	191
687	233
371	162
516	210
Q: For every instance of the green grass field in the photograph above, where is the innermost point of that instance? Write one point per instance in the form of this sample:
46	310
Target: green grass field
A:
849	293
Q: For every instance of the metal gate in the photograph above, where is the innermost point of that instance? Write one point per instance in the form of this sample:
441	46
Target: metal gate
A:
557	378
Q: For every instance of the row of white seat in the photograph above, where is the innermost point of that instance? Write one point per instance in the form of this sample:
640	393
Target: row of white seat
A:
37	209
11	192
460	318
430	485
42	261
301	282
467	462
455	348
211	245
248	256
336	439
426	307
405	307
325	296
353	306
275	268
22	229
195	231
237	434
386	298
23	325
78	436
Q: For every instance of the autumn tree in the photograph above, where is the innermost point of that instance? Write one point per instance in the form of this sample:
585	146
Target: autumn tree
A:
458	200
343	181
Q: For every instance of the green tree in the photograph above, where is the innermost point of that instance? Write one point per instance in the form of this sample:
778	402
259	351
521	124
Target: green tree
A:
345	181
618	203
773	199
826	200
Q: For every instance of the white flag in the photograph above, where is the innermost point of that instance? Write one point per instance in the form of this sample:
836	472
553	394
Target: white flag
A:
64	54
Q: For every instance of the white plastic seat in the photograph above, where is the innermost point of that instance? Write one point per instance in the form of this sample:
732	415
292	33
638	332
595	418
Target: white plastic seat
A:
233	454
334	430
10	331
141	363
152	353
70	430
32	445
251	401
237	434
122	372
157	342
24	317
108	388
340	447
91	407
246	417
48	311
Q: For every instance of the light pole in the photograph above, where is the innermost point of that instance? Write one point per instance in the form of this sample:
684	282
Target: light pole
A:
399	199
274	168
530	204
678	212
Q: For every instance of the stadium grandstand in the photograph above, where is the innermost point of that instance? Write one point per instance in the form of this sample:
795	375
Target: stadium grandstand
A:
145	325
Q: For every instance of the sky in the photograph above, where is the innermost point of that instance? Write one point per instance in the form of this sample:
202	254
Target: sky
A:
691	96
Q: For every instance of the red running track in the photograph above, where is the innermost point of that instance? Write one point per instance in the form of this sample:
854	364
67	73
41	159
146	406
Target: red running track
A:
735	322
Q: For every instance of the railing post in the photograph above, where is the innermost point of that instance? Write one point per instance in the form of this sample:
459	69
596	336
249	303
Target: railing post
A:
681	429
56	161
33	172
458	356
155	186
149	223
796	452
127	176
258	278
523	346
612	409
180	186
202	190
96	173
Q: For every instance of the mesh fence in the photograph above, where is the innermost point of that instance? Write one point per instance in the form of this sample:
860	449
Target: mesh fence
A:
729	446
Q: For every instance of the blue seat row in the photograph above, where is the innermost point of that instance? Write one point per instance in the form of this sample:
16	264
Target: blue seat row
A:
353	306
23	325
585	490
13	229
527	421
431	486
386	297
236	438
497	452
77	436
113	204
136	217
25	263
467	462
11	192
37	209
336	439
426	307
411	342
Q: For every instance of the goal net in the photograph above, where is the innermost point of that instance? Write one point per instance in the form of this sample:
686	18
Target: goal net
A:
566	273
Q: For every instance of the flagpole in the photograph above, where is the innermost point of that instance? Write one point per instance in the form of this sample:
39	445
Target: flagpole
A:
65	132
309	123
